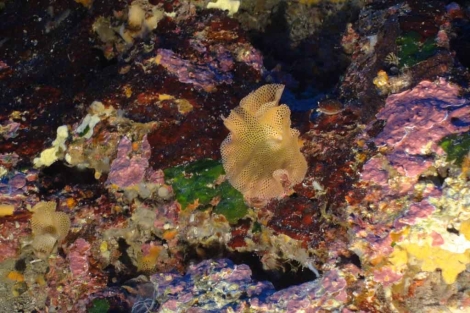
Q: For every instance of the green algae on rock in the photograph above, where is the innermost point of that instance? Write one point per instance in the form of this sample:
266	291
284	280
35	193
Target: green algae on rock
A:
456	146
99	306
196	183
413	49
231	205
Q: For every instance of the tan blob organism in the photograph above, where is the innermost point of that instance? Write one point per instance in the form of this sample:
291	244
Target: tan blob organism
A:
261	155
49	227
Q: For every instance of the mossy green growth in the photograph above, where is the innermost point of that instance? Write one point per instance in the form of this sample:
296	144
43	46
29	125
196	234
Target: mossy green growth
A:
194	181
412	49
197	181
257	227
457	146
99	306
231	204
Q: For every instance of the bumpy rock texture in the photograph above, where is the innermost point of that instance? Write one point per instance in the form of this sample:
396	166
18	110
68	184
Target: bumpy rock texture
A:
120	103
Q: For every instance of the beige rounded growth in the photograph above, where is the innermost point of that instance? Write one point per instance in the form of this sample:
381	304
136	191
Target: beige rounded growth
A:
49	227
261	155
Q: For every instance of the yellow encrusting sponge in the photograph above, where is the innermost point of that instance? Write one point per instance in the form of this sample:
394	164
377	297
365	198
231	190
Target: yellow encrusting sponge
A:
261	155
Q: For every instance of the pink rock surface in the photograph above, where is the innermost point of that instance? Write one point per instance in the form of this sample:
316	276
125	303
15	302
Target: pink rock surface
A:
417	210
129	170
78	258
201	76
421	116
416	120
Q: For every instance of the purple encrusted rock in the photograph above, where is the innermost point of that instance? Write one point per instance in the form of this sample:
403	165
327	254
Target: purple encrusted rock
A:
416	211
416	120
205	77
326	294
13	185
78	258
127	171
9	129
215	285
221	286
250	56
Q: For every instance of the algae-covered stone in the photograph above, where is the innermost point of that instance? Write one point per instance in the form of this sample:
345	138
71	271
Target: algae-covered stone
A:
456	146
197	183
232	205
413	49
99	306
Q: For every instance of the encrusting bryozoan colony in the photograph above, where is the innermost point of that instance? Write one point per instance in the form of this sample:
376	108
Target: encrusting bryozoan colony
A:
261	155
48	227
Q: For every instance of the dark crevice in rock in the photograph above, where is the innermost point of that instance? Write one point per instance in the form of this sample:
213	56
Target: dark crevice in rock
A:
291	274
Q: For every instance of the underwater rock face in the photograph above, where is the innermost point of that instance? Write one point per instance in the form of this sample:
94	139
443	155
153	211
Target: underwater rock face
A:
125	171
418	118
418	193
415	122
220	286
78	258
205	77
139	175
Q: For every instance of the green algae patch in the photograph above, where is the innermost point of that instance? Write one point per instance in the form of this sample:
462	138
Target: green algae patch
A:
457	146
99	306
231	204
197	182
413	49
257	228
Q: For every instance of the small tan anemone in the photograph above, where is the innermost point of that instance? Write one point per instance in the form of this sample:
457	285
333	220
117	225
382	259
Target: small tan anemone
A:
261	155
49	227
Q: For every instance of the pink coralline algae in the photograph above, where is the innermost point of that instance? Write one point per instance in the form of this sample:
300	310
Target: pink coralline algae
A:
11	233
377	237
374	172
418	118
205	77
129	170
387	276
417	210
9	129
70	281
156	177
220	59
442	40
3	66
415	122
411	217
78	258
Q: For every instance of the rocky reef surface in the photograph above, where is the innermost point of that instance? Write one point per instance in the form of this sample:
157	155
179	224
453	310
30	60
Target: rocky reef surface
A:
113	195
